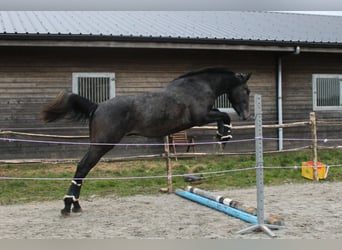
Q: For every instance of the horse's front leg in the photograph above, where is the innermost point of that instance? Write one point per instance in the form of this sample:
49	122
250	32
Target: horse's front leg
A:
224	131
224	126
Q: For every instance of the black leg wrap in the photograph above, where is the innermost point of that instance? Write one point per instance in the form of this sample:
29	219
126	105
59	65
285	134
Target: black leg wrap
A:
71	198
226	134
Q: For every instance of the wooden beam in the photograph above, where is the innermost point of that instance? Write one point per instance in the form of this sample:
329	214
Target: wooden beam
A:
285	125
142	44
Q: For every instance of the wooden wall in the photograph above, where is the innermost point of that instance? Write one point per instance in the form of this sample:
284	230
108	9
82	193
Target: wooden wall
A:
31	77
297	93
297	83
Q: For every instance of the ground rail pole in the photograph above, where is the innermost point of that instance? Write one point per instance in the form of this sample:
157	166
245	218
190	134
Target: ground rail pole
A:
259	173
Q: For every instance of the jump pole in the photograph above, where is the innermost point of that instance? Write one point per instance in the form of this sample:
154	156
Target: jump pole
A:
223	200
227	205
218	206
266	228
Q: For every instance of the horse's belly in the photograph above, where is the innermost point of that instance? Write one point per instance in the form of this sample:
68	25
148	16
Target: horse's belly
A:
160	129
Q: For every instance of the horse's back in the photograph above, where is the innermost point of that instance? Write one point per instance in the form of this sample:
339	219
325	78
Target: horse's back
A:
182	104
150	114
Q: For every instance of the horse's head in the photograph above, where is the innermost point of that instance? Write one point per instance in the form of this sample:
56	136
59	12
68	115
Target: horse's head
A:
239	95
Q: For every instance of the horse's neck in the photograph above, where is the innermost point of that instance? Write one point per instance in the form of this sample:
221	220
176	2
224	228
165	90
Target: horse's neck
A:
215	84
219	85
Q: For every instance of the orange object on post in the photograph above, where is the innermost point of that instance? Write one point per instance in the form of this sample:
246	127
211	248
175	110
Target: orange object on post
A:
308	170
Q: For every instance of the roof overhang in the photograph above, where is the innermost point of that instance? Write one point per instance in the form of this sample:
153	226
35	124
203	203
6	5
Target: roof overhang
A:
40	40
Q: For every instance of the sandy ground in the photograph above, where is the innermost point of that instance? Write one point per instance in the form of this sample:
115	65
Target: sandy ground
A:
310	211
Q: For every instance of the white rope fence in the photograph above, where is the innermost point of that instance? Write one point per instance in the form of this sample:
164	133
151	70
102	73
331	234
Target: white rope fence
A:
128	177
3	178
8	178
8	139
119	144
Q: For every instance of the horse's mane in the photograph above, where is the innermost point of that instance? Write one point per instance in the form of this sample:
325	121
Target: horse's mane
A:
216	69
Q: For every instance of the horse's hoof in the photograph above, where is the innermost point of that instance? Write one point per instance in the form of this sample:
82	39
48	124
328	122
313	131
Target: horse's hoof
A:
226	138
76	207
223	138
65	213
76	210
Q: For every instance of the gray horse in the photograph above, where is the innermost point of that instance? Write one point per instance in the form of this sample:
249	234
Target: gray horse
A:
186	102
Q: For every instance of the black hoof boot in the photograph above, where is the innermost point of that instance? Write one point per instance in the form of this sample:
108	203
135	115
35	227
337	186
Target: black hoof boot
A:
76	208
67	206
71	198
224	138
65	212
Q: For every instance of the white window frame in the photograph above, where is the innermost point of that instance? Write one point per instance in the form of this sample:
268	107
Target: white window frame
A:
77	75
316	106
223	109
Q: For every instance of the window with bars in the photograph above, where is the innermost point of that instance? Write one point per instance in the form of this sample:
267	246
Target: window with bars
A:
97	87
223	104
327	92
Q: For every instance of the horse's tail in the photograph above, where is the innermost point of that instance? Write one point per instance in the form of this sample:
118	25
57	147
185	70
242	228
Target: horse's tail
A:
71	106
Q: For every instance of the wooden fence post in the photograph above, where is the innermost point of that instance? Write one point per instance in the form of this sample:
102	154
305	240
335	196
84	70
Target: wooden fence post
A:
168	164
313	124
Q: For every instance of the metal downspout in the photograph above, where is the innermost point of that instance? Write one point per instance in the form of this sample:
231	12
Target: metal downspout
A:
296	51
280	104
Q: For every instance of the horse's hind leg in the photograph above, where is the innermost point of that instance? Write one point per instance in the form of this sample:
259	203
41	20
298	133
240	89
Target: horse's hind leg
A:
89	160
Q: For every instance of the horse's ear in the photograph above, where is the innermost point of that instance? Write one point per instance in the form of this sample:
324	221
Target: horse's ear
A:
248	75
243	77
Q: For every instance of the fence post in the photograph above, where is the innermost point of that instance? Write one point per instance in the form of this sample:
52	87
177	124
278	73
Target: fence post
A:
313	124
168	164
259	173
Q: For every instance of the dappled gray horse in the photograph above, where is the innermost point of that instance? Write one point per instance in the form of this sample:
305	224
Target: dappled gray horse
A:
186	102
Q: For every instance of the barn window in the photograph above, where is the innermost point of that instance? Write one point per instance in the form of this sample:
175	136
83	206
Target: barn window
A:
327	92
97	87
223	104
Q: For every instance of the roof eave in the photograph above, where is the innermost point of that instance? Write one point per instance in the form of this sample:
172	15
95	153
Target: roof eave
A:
99	40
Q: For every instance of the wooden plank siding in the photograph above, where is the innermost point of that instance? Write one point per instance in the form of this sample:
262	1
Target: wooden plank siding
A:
298	97
297	83
31	77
